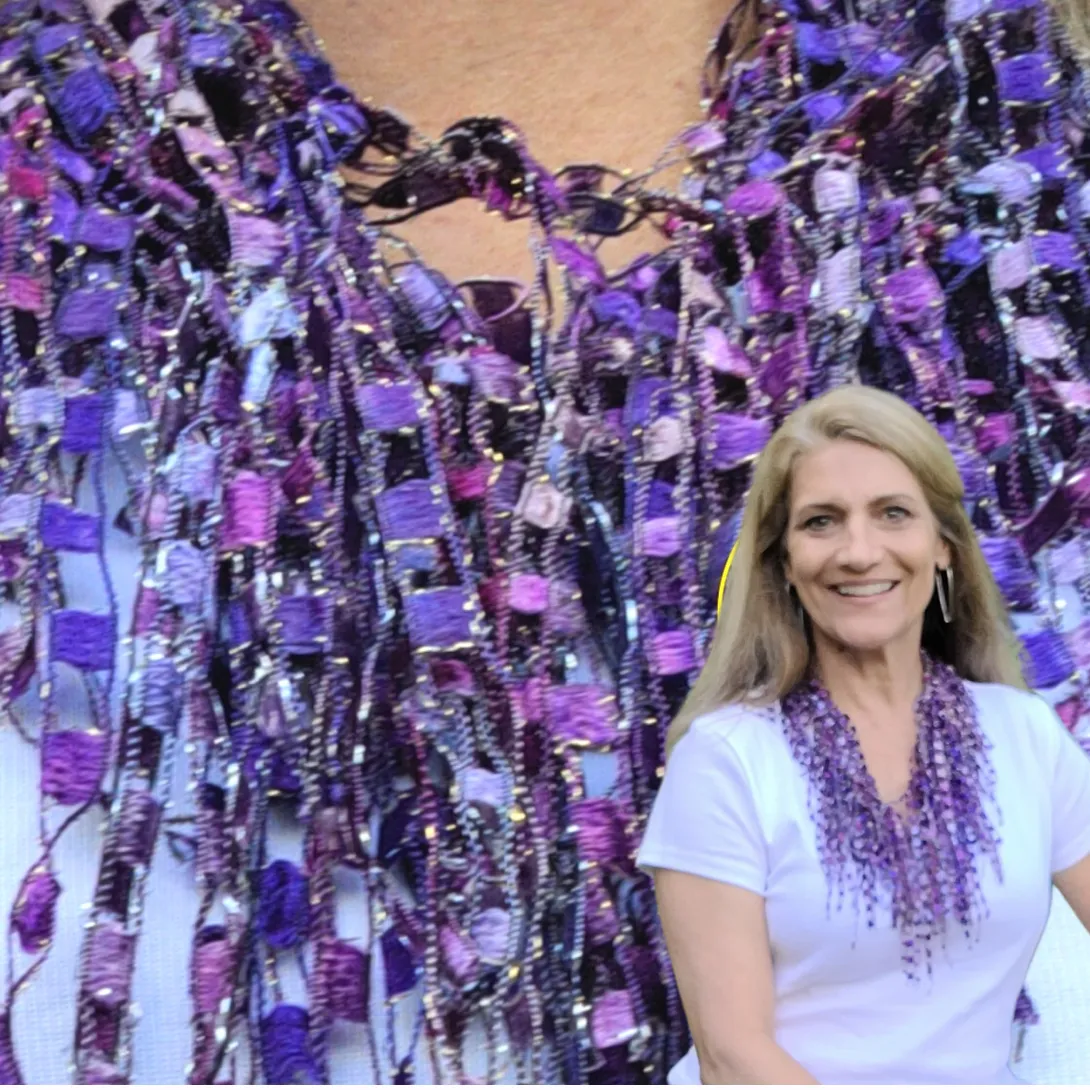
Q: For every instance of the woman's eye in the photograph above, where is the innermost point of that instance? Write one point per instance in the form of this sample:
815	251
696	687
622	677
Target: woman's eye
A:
896	514
817	522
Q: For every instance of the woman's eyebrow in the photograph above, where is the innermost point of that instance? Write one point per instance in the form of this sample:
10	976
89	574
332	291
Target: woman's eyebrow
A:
819	505
878	501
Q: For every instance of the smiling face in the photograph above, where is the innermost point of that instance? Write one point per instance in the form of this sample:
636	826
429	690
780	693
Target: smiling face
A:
862	547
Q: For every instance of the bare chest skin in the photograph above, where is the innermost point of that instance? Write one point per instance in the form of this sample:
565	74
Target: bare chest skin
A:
888	744
608	81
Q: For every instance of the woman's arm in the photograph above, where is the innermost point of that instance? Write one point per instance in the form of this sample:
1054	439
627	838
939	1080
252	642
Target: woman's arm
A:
718	942
1074	884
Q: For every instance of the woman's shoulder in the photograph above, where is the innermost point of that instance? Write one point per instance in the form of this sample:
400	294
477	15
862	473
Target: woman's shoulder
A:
739	725
1013	715
991	697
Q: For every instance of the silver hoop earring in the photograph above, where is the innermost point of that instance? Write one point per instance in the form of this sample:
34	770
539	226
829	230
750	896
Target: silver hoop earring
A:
944	588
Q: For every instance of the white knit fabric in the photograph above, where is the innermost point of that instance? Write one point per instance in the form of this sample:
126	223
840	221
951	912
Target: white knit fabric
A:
1058	1050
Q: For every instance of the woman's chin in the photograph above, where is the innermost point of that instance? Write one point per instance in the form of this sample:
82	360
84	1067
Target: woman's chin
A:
864	638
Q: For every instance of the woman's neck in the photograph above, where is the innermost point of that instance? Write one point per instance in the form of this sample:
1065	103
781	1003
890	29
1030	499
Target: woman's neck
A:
610	82
888	680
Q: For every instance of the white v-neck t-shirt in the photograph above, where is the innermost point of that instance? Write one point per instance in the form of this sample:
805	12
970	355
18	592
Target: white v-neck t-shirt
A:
734	807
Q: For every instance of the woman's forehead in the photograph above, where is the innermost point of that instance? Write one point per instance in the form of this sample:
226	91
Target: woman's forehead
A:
844	472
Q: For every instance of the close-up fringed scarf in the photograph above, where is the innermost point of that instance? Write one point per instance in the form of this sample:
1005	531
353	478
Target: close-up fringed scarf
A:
412	557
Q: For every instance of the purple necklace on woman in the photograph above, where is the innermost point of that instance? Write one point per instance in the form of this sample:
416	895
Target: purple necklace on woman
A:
921	854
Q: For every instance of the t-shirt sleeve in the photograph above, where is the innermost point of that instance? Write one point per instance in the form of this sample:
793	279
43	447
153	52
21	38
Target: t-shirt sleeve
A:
1070	795
704	820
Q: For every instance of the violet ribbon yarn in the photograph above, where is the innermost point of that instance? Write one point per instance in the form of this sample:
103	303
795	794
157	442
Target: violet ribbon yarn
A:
409	551
872	848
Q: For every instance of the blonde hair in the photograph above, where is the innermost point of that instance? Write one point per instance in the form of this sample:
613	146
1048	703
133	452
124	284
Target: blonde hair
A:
759	651
1074	15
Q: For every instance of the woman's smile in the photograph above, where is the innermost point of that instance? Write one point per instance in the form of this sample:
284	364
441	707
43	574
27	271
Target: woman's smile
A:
874	590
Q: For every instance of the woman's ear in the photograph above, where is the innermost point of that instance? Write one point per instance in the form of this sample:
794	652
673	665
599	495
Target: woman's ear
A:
944	555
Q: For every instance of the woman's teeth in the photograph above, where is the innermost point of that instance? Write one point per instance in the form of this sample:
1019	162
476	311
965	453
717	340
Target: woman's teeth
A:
864	590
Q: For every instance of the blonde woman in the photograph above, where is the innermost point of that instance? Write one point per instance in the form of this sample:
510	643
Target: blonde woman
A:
864	810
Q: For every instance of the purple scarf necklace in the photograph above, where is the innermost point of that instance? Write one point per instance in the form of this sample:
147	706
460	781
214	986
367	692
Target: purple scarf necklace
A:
922	853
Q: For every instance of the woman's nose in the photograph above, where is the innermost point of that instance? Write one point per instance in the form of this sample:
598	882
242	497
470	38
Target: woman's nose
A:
860	547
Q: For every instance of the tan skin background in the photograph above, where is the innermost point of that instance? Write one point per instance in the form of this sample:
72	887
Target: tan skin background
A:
608	81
